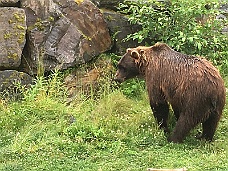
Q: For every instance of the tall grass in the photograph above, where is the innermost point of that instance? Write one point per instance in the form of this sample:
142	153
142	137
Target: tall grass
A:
110	131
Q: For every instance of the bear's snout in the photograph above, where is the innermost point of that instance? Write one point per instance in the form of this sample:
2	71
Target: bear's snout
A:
118	78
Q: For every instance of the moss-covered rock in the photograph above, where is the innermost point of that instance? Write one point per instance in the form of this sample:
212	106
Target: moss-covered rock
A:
62	34
13	82
9	3
12	36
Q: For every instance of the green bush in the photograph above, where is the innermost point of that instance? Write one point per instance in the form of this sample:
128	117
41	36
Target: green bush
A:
133	88
187	26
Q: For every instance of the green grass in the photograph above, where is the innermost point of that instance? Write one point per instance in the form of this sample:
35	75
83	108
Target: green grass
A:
110	132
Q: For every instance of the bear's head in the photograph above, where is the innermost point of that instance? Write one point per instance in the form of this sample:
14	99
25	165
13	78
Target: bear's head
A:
132	63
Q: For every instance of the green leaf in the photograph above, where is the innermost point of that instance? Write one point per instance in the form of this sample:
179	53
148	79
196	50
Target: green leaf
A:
199	45
191	39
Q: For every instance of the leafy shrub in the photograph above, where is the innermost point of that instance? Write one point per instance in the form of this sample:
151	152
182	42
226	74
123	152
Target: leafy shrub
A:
133	88
51	86
187	26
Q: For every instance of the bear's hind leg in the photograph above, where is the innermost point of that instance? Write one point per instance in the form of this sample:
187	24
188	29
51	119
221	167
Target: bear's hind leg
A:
209	126
182	128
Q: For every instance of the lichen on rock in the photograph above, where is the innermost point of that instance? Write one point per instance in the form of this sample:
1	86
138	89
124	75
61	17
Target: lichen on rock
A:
68	32
12	37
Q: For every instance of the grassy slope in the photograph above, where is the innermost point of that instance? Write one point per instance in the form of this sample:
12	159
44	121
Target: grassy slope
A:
110	133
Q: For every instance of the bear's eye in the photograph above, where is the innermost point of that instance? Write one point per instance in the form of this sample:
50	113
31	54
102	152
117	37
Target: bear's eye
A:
121	67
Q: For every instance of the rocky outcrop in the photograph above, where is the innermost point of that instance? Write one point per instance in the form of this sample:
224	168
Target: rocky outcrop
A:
108	4
12	82
63	34
12	37
224	16
9	3
44	35
60	34
120	27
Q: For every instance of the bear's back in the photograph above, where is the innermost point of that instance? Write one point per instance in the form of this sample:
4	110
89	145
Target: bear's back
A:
184	76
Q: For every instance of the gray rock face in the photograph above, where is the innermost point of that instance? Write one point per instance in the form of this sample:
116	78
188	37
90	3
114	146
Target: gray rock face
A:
224	16
43	35
108	4
224	9
63	34
40	8
120	27
12	36
11	80
9	3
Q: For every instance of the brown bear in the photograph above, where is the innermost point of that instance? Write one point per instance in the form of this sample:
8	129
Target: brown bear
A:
190	84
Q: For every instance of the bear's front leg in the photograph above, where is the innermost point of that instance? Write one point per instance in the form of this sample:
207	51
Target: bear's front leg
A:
161	112
183	126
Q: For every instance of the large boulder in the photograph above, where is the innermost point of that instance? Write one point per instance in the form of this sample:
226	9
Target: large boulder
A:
13	82
9	3
224	9
108	4
12	36
63	34
118	24
120	28
224	16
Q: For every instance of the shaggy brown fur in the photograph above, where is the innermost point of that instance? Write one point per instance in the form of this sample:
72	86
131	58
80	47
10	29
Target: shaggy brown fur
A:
191	85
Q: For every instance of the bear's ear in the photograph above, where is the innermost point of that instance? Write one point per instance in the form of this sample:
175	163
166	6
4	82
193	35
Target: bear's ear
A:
134	54
142	52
